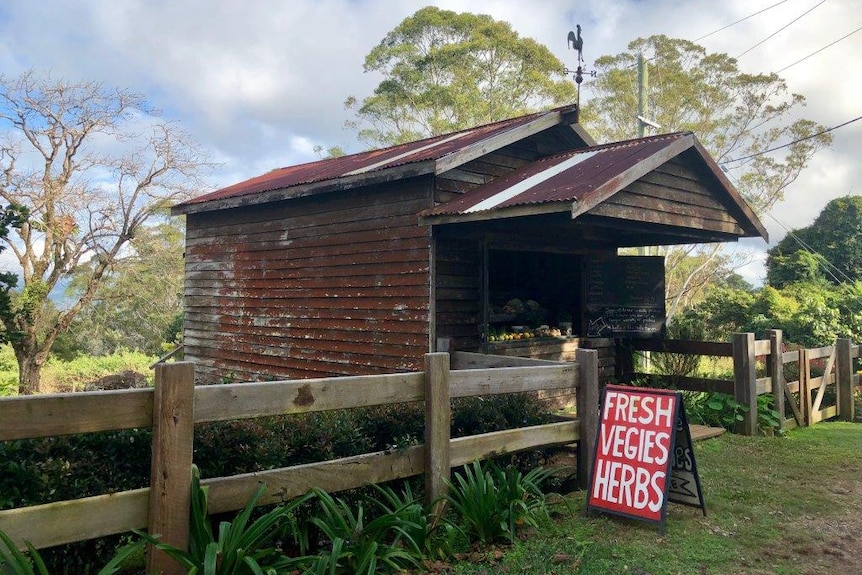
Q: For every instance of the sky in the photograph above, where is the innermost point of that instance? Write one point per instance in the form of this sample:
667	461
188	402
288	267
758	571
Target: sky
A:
259	83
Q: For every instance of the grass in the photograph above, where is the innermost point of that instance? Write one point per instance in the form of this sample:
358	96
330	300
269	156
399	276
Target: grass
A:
772	504
63	376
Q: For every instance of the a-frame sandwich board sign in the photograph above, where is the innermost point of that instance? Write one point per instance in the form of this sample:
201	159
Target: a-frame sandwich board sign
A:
643	455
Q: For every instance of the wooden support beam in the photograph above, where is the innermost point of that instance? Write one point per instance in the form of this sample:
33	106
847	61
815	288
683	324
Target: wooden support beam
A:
844	375
776	373
805	387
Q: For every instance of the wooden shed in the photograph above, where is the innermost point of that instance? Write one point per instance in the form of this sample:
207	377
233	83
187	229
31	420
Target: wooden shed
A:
361	264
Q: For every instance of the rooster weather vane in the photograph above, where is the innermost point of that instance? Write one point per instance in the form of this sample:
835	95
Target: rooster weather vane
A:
577	43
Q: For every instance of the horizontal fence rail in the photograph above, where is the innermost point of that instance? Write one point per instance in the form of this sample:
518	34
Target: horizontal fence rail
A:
803	396
172	418
91	517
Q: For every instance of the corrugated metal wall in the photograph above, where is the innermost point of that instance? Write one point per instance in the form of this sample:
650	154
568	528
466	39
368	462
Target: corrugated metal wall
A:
337	284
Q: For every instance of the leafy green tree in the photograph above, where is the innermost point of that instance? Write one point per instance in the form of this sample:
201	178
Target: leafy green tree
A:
13	216
830	249
735	115
445	71
809	314
722	312
798	266
93	166
137	304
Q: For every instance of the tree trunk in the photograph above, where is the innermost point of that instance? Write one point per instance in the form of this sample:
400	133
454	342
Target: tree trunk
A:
29	376
31	359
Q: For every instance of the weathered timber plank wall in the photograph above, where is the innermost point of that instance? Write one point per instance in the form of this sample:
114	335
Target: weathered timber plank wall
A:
321	286
457	291
672	194
457	276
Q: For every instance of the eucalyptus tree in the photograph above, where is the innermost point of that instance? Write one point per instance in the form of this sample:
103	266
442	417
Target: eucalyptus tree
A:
444	71
749	122
92	166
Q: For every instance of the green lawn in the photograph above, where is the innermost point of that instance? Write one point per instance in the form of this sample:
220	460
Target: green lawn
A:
774	506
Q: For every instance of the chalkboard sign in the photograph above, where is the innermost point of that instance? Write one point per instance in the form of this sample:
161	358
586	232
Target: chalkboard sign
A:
625	296
643	456
684	480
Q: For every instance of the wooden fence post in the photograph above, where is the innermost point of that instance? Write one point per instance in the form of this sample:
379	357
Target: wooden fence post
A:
776	372
844	378
804	387
438	415
745	383
171	470
588	411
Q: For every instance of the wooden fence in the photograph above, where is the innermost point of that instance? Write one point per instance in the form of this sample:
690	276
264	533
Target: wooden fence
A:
176	404
801	398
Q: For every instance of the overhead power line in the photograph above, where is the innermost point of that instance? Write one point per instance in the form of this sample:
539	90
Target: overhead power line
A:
820	133
728	26
828	267
820	50
798	18
738	21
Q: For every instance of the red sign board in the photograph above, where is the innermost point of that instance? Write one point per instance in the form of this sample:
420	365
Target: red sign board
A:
635	458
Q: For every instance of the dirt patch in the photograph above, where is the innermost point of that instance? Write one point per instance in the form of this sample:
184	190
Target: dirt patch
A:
127	379
831	545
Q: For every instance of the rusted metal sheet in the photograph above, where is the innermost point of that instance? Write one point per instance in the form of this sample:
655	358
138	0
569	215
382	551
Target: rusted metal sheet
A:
366	162
565	177
630	182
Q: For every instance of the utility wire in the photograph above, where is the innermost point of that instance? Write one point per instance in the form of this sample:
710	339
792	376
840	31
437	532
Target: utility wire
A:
728	26
818	51
828	267
820	133
738	21
782	28
822	261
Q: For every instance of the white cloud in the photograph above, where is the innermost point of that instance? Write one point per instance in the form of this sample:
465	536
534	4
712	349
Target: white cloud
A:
260	83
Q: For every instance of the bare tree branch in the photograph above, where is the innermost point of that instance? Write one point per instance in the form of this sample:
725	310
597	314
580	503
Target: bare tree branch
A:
92	166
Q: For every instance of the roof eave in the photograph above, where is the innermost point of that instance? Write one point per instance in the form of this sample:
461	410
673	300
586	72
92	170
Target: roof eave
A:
635	172
498	213
757	228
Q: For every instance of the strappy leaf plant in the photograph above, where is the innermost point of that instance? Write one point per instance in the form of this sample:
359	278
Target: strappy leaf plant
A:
13	561
242	546
363	546
490	503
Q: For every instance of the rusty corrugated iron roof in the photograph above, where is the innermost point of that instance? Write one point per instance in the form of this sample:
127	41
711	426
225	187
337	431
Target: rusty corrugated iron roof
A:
580	180
569	177
365	162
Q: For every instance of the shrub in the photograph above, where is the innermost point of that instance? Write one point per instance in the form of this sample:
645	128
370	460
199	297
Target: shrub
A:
722	410
63	376
44	470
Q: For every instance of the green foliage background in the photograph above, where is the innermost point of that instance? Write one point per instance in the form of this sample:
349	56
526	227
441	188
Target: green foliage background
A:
73	375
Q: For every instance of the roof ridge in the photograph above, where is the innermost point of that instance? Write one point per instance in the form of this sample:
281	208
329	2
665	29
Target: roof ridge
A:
431	139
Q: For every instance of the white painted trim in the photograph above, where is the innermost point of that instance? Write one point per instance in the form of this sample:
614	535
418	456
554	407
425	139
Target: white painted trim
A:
530	182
